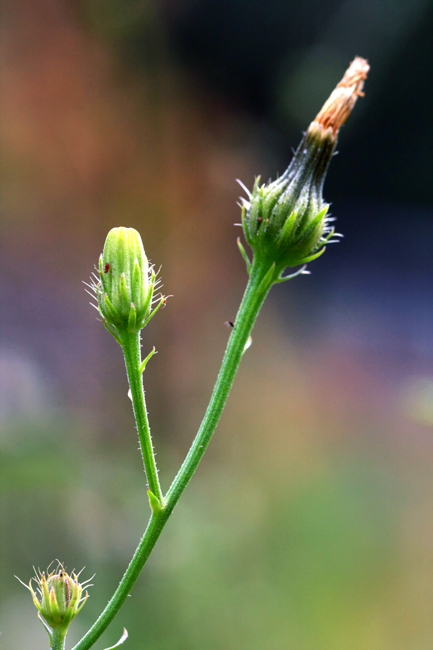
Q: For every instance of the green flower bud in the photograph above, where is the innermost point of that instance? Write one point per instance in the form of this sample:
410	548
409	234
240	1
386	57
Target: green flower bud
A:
60	597
285	222
125	283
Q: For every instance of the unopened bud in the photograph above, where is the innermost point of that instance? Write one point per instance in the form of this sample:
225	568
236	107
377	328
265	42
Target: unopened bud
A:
125	283
60	597
285	222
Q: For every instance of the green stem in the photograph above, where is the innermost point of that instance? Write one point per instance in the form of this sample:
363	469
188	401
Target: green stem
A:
131	351
58	639
253	299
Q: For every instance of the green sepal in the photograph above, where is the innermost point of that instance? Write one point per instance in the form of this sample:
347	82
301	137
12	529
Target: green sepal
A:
267	280
143	364
255	211
111	310
244	255
71	610
152	314
54	606
132	319
136	283
311	257
124	295
112	332
286	230
102	275
330	234
245	224
307	230
147	303
154	502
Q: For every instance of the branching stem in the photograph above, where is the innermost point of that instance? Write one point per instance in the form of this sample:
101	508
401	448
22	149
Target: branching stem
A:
260	282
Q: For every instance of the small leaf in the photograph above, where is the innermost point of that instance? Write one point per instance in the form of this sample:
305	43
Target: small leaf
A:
143	364
155	503
120	641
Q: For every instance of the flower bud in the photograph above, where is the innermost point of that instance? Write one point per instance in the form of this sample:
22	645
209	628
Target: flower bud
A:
60	597
285	222
126	283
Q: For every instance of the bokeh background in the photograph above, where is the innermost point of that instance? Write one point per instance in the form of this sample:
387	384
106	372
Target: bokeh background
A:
309	524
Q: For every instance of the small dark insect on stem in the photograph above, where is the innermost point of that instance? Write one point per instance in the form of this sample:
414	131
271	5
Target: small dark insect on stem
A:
107	267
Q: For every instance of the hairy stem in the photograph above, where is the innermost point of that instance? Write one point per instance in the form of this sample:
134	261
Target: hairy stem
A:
58	639
131	351
253	299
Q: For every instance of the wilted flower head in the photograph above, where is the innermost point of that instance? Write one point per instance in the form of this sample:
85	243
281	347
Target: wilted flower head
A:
285	222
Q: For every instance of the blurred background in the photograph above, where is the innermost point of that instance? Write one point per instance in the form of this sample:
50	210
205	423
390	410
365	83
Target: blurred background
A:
309	524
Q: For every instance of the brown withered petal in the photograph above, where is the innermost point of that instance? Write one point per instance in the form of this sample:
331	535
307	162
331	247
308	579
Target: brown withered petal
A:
339	105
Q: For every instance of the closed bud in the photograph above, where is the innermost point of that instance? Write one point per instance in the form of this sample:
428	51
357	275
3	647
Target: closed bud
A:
59	597
126	283
286	222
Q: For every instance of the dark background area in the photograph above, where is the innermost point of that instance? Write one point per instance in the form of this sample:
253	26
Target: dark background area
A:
309	523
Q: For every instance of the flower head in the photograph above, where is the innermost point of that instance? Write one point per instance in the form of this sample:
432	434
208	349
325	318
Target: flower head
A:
285	221
59	596
124	283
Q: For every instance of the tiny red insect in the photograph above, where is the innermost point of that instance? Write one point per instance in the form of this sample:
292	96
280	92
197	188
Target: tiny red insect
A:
107	267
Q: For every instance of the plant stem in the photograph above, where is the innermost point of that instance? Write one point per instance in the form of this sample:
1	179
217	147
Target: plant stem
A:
58	639
249	309
252	301
131	352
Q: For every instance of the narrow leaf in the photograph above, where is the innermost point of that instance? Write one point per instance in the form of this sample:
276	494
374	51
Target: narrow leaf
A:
155	503
143	364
